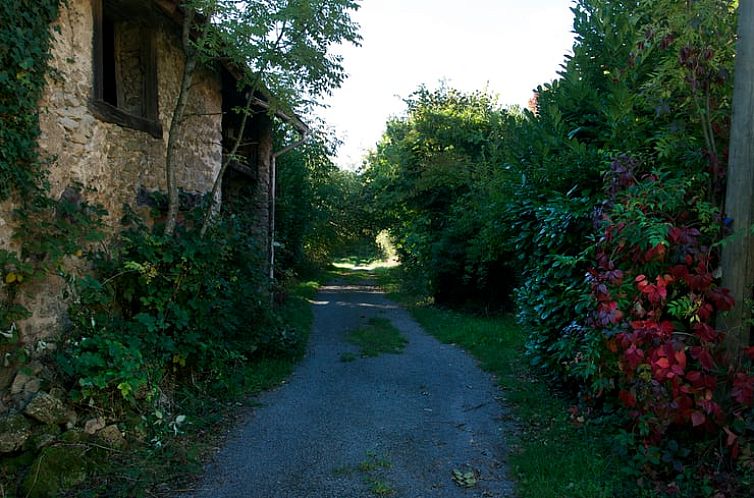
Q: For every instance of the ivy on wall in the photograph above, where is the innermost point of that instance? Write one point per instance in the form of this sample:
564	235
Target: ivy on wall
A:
47	229
24	55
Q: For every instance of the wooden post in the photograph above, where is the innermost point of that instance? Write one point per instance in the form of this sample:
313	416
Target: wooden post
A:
264	188
738	254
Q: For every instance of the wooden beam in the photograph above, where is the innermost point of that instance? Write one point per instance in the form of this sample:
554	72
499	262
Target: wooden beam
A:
111	114
243	169
168	6
738	253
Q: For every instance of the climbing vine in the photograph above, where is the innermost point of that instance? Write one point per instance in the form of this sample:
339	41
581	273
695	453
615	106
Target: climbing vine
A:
24	55
45	229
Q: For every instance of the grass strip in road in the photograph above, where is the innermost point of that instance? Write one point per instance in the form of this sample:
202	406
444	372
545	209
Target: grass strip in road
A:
378	336
372	470
551	455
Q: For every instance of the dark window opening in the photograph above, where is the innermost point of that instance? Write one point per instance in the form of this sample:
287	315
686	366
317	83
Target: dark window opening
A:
109	86
125	75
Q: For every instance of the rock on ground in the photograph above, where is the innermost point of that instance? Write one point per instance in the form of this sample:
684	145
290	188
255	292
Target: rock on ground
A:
46	409
14	431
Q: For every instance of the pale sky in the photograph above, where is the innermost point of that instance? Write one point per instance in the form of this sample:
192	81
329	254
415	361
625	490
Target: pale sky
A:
507	46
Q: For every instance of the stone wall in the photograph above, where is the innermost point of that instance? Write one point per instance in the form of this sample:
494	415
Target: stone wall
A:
45	440
115	161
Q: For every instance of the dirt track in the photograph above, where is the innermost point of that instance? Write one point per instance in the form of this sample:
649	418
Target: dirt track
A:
395	424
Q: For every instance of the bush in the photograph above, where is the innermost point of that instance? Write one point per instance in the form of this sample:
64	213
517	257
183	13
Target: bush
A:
655	300
607	194
182	305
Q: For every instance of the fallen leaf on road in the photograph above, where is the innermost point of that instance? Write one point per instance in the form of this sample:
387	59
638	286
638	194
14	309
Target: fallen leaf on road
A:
465	479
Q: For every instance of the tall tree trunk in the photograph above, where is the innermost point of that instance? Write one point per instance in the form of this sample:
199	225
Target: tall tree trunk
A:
210	210
738	254
175	122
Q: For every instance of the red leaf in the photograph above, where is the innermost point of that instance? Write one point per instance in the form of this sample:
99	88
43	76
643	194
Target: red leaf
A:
694	376
664	280
705	312
721	298
699	282
666	329
732	437
663	363
697	418
679	271
705	358
675	235
655	253
706	332
627	398
680	359
743	389
633	356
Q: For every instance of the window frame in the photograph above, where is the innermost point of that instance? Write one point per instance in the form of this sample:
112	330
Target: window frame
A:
105	111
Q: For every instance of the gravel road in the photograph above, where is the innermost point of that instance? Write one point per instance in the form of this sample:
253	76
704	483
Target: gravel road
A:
395	425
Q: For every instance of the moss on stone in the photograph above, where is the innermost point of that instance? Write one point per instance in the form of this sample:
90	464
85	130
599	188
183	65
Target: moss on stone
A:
42	435
15	429
55	469
74	436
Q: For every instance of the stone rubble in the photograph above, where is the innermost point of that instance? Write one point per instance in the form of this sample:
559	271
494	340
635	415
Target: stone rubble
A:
46	409
15	429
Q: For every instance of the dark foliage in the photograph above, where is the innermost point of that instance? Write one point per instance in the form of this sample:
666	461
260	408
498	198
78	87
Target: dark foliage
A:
605	198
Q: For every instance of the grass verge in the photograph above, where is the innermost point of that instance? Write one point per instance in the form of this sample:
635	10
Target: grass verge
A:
552	454
378	336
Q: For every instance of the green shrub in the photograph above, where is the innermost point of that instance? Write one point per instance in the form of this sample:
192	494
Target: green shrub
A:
181	305
605	198
432	174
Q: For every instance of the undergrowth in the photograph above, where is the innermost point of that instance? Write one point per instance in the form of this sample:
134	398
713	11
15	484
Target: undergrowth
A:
170	464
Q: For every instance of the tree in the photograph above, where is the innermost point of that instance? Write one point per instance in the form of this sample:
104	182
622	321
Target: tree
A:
191	56
738	254
321	211
435	181
281	48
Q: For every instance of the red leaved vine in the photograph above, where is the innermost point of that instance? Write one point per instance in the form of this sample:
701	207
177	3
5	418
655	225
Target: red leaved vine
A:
656	301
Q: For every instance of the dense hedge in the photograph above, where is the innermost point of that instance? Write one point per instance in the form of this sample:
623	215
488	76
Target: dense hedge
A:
605	199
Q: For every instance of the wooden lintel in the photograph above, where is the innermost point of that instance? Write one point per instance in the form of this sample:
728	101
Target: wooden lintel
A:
243	169
111	114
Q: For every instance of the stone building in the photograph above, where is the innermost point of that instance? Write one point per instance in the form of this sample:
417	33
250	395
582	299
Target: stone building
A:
105	114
